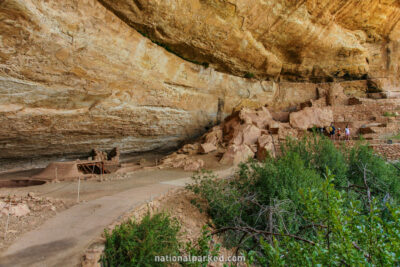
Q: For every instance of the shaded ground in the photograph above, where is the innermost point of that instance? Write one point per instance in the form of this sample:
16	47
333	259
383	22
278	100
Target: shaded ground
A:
64	237
180	204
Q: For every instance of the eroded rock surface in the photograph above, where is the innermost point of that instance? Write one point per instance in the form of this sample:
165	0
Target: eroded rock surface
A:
75	75
299	39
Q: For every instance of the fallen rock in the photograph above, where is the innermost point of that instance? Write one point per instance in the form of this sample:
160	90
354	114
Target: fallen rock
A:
260	117
281	116
251	134
207	148
173	158
214	136
265	147
236	154
246	134
229	125
285	131
20	210
190	149
310	117
193	165
182	161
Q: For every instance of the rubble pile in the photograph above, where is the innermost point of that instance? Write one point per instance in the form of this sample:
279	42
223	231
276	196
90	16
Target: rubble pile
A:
249	132
22	206
24	213
182	161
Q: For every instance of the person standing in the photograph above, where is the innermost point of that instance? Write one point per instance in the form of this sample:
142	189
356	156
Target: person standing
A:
347	132
332	131
339	133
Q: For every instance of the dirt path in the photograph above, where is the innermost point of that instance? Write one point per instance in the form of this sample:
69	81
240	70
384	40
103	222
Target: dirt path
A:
61	240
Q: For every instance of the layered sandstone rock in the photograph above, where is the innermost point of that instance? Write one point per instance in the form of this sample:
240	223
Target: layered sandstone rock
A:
75	75
311	117
299	39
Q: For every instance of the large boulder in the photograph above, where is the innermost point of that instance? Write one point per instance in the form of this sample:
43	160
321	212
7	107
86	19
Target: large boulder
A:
236	154
231	123
265	147
207	148
310	117
245	134
214	137
182	161
260	117
18	210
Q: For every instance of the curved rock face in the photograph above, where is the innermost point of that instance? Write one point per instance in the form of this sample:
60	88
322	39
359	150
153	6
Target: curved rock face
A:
75	75
308	39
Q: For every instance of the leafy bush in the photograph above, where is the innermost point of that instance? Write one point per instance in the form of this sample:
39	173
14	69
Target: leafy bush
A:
343	234
281	178
319	153
136	244
271	209
220	195
381	176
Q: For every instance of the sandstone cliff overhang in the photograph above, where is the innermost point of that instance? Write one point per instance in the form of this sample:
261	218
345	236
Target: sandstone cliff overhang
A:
76	75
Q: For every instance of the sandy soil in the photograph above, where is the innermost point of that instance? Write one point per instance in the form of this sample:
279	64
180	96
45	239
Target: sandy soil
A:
180	205
46	200
51	198
40	209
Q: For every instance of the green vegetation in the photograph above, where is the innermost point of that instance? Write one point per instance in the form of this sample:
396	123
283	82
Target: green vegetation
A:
314	205
137	244
389	114
396	137
343	233
249	75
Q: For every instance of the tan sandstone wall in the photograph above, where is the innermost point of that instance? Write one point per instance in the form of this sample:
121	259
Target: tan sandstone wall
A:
74	75
270	38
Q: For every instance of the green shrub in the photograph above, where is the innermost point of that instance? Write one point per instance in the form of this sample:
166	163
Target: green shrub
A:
344	235
249	75
220	196
383	178
389	114
291	196
136	244
281	178
319	153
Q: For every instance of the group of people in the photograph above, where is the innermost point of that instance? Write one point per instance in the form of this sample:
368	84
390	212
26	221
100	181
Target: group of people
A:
336	133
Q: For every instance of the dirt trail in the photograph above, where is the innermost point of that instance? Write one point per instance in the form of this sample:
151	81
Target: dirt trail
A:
61	240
